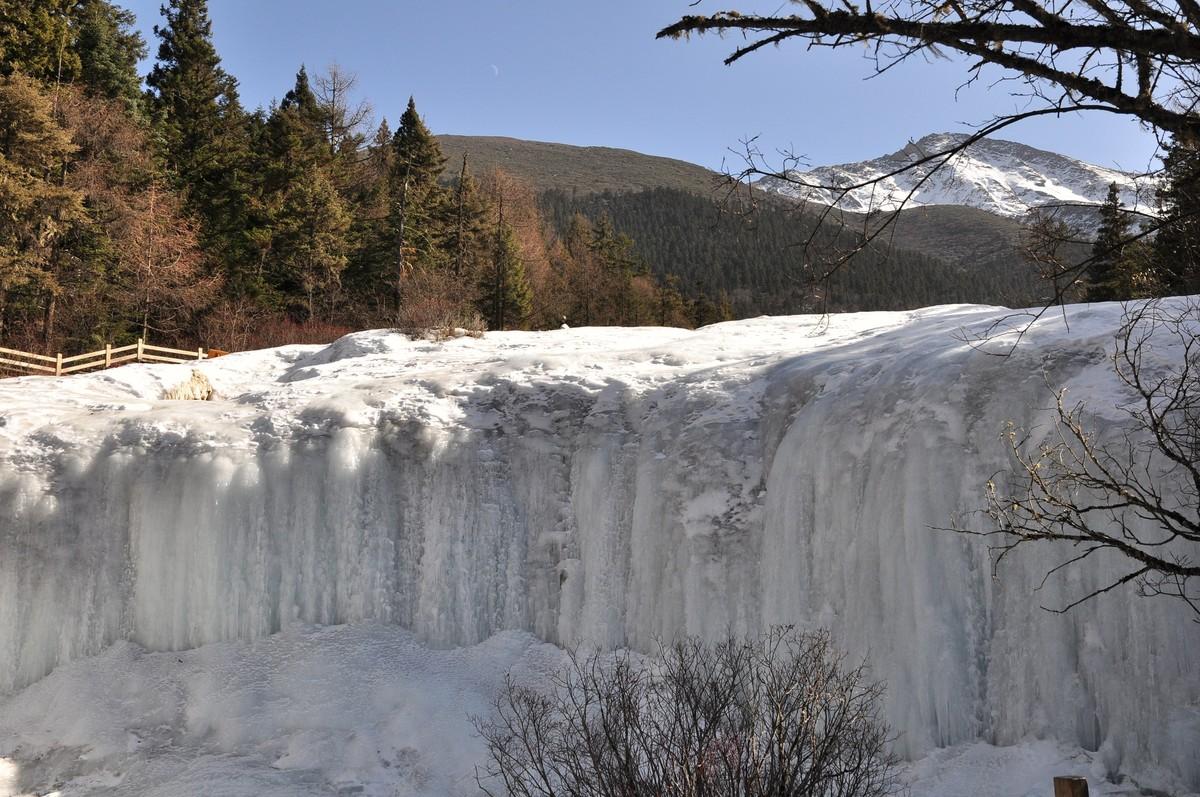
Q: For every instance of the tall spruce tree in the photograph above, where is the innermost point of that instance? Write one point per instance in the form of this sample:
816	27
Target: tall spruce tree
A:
311	242
466	236
109	47
203	129
417	201
297	139
618	266
1177	245
37	38
505	300
309	220
1106	277
369	275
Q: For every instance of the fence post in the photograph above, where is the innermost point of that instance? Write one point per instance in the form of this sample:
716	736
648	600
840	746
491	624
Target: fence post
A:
108	355
199	354
141	349
1070	787
58	365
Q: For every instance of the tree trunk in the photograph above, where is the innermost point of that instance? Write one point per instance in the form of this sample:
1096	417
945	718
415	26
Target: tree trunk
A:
48	319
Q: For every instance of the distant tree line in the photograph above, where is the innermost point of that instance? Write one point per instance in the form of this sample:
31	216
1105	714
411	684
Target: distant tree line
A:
1127	262
1132	254
170	211
751	263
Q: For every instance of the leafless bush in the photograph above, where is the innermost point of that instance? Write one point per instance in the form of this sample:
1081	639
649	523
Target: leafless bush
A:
1137	498
239	325
436	304
777	715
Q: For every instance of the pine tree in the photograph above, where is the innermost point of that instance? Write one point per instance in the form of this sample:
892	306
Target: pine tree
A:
311	242
36	210
36	39
417	153
505	300
466	237
1177	245
417	201
109	47
581	273
302	231
1106	278
297	139
302	104
367	275
618	266
203	130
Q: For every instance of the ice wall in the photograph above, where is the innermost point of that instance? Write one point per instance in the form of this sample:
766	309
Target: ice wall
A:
597	486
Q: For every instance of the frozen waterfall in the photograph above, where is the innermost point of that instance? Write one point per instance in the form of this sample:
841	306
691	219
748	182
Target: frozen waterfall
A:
606	486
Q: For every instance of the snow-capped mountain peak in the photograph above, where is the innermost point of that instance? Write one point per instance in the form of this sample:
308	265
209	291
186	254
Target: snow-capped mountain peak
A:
1003	177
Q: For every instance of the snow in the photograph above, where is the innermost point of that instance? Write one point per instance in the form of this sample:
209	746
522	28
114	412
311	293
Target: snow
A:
365	710
211	592
1002	177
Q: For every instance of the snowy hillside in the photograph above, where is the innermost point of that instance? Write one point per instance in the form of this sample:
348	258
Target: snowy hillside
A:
586	486
1002	177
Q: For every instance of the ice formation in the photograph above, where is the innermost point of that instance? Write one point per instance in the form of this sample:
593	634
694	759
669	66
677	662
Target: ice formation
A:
605	486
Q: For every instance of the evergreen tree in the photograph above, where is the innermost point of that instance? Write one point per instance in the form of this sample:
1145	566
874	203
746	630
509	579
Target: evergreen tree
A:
297	139
36	39
202	127
417	153
380	155
505	300
618	266
466	237
302	103
1177	246
109	47
1106	280
36	210
581	273
417	201
369	273
311	241
303	222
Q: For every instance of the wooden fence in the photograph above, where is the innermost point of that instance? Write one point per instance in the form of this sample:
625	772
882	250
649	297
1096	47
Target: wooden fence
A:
13	362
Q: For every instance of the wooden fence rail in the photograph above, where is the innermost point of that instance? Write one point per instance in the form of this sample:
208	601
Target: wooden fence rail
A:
24	362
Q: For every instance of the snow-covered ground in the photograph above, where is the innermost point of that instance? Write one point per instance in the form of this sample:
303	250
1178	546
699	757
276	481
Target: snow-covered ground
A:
578	486
364	710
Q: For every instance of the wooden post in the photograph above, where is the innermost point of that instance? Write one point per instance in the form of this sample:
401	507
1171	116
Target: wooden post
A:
108	355
199	354
58	365
141	349
1070	787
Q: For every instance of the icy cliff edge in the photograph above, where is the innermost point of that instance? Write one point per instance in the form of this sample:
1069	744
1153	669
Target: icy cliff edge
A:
597	485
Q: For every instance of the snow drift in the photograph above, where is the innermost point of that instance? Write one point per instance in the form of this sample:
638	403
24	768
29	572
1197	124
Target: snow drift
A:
603	486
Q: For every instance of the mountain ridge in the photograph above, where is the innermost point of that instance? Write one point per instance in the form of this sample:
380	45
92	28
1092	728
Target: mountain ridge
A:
548	165
1003	177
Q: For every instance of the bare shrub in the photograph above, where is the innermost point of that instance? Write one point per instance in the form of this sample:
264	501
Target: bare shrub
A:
772	716
240	325
436	304
1137	498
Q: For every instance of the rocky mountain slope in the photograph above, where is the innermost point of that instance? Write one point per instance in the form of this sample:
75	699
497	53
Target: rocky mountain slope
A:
1001	177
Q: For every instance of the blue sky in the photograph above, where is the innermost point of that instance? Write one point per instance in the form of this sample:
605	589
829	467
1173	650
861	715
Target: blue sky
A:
591	73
